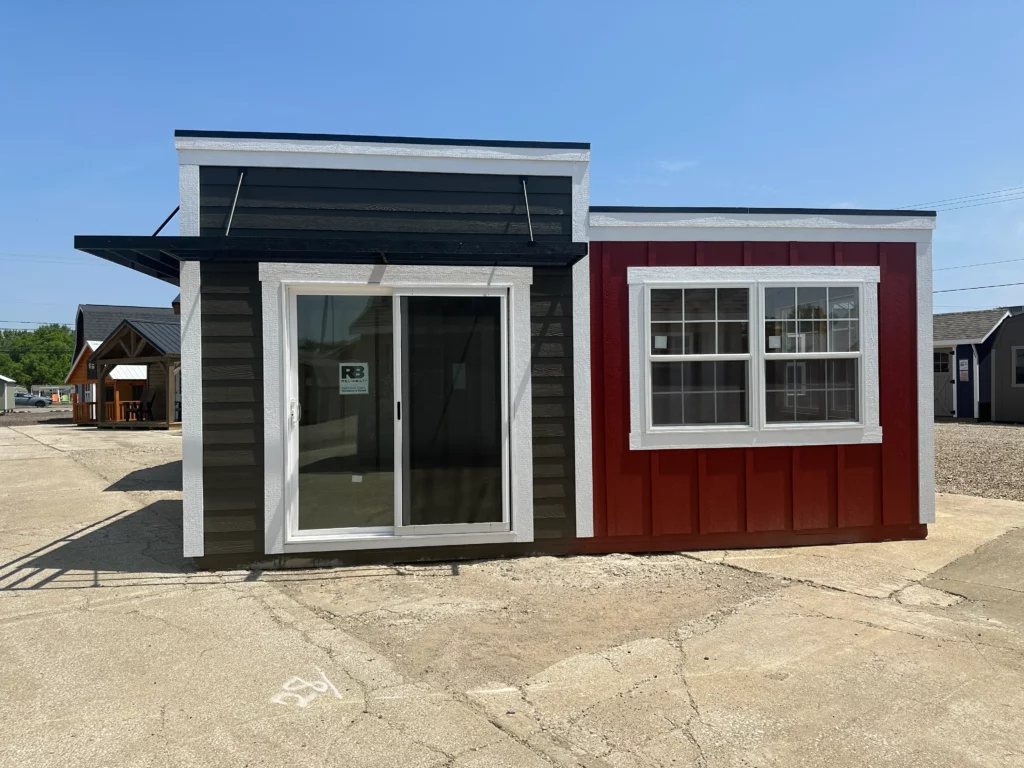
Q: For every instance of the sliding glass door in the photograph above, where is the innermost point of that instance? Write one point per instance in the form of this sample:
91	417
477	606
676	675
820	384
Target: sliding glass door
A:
400	413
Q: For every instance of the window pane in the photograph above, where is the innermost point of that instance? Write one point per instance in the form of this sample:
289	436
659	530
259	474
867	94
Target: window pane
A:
666	338
700	303
731	407
842	390
813	336
666	377
700	338
699	408
699	377
845	335
732	338
667	410
812	303
810	405
731	376
778	408
780	303
733	303
667	304
1018	367
843	303
346	435
780	336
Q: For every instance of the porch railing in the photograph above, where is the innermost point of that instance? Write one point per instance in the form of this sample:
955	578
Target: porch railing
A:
83	413
123	410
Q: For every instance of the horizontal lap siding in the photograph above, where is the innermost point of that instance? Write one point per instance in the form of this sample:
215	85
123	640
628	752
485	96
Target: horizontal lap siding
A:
755	491
232	373
384	204
554	472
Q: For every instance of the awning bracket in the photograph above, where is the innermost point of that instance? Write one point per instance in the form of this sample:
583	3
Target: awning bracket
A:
231	216
526	199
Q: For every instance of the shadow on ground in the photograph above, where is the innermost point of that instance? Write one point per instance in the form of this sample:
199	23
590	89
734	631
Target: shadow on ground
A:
146	542
166	477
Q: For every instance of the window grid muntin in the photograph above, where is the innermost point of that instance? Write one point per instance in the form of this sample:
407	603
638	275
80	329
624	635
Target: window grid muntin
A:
651	358
855	314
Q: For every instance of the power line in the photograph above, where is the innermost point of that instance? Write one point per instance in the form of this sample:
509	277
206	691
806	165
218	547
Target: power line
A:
977	287
980	264
965	197
975	205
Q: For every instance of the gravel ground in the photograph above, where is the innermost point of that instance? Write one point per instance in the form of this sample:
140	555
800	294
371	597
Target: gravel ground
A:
36	416
980	460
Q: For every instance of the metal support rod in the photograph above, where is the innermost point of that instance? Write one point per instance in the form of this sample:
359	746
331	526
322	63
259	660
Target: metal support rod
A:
529	222
160	228
231	216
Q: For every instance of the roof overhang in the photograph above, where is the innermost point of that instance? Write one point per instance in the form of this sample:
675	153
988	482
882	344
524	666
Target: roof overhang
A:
160	257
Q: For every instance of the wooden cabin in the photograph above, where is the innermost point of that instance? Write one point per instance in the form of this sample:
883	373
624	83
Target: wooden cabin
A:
125	383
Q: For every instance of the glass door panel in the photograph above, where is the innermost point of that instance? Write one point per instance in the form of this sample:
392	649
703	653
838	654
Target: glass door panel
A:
452	419
346	413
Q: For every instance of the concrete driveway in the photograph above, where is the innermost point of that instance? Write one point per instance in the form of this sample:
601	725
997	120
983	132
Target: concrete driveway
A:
113	652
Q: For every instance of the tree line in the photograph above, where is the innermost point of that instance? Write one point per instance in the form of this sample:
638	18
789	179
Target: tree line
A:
42	356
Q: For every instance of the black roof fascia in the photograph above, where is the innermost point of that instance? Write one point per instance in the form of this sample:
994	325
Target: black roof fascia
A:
135	252
381	139
805	211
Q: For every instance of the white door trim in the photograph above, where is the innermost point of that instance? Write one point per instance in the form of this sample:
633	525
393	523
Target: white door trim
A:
276	280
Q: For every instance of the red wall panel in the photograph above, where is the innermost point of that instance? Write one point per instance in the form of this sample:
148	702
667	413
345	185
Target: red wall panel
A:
753	495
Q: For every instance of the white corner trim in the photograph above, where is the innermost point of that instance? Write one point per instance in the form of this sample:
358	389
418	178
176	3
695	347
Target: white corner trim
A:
278	277
755	434
192	410
925	385
582	413
188	200
675	226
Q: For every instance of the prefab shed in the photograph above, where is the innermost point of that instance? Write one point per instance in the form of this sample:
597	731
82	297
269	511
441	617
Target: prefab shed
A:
401	349
6	394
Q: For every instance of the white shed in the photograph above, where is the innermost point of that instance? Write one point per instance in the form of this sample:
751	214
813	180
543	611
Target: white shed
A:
6	394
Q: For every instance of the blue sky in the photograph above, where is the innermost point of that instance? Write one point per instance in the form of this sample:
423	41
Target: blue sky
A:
867	104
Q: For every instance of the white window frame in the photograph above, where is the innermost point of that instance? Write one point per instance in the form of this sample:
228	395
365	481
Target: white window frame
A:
645	436
1013	366
281	282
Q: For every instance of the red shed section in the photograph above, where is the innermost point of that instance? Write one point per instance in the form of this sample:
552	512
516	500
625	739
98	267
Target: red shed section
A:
757	496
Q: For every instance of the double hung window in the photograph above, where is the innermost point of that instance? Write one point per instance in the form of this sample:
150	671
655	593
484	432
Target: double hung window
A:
753	356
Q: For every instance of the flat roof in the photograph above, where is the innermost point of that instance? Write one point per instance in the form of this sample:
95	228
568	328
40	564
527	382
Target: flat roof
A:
766	211
381	139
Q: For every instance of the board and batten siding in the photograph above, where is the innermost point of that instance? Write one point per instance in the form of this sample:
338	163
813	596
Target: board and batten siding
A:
232	375
310	202
753	496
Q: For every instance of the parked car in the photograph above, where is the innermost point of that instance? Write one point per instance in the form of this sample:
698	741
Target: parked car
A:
25	398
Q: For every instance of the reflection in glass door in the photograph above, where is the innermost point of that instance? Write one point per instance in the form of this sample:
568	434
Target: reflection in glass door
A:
346	411
453	418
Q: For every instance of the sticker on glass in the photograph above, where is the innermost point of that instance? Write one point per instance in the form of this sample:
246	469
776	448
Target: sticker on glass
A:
354	378
774	342
661	342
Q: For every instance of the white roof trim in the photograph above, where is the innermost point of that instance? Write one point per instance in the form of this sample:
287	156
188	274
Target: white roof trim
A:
296	153
809	227
9	381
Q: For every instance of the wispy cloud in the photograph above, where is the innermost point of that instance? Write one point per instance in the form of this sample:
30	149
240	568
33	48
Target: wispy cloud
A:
675	166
